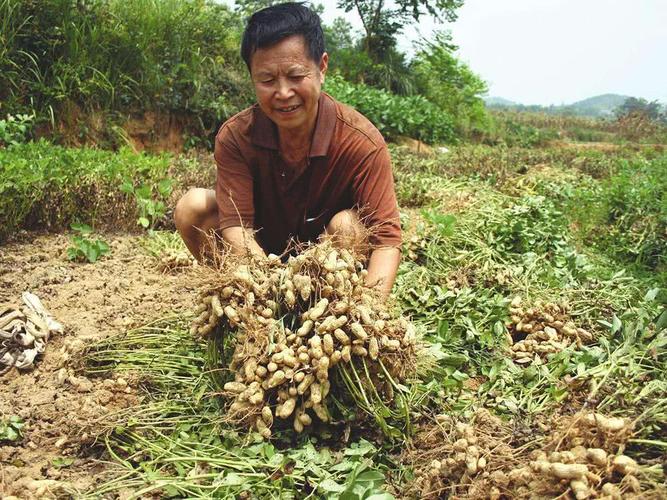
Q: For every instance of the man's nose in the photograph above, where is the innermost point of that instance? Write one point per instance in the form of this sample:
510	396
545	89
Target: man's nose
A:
284	90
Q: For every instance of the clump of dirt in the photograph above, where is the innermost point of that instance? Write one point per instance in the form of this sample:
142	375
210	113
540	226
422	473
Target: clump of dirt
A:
543	329
59	407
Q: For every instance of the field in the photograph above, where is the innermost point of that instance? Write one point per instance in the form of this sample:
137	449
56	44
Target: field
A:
536	277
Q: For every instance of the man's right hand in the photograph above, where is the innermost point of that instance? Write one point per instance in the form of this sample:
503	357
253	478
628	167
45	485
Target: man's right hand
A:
242	241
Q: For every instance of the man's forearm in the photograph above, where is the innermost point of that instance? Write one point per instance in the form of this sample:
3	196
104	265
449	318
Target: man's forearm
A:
242	241
382	268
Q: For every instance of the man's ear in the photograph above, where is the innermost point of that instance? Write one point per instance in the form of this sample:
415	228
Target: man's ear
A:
324	65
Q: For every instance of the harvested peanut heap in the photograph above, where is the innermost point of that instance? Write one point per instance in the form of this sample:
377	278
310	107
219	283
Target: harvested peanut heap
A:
296	322
415	246
579	465
582	459
541	330
450	454
174	260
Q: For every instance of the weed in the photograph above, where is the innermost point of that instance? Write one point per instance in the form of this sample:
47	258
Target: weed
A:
11	429
84	247
150	202
15	128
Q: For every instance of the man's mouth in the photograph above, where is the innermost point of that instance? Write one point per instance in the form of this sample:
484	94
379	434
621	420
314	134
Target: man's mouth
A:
288	109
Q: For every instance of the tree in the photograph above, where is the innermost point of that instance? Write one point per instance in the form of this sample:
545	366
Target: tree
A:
382	23
449	83
633	106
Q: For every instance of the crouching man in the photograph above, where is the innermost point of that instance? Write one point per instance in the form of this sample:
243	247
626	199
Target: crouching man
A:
297	164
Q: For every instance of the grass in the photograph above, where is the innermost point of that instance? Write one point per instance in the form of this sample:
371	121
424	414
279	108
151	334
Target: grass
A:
67	61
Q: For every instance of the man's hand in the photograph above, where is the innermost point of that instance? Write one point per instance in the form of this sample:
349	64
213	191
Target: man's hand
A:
242	241
382	268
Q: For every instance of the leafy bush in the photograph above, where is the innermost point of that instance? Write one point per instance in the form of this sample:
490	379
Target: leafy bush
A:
394	115
15	129
43	185
450	84
178	55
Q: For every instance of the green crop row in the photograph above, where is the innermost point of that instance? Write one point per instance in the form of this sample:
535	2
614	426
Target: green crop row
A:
412	116
48	186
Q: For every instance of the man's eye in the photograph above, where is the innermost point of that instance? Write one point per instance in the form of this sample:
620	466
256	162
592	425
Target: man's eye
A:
297	77
268	80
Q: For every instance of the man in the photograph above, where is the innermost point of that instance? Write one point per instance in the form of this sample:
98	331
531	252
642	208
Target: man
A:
297	164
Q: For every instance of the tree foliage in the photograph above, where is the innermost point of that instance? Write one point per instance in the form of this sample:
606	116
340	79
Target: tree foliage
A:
449	83
383	23
649	110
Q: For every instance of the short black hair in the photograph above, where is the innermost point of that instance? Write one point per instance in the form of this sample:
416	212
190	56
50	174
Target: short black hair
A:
268	26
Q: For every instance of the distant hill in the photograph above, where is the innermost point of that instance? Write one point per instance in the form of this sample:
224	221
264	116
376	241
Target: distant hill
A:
599	106
499	101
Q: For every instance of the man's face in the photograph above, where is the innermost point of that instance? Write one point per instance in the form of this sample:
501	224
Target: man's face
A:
288	83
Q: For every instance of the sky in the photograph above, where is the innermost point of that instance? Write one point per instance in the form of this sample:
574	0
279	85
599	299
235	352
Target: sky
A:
557	51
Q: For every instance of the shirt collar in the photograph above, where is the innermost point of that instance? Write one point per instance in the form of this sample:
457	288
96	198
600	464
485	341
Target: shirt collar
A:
265	133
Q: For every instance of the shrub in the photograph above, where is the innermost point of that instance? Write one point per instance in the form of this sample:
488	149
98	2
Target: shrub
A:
394	115
175	55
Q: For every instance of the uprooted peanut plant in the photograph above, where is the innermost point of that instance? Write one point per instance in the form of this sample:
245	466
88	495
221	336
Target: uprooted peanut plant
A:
293	325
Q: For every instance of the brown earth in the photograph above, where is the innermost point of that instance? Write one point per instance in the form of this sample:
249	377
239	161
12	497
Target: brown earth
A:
122	290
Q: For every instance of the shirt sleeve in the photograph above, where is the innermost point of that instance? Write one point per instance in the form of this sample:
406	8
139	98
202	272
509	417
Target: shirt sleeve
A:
234	184
375	198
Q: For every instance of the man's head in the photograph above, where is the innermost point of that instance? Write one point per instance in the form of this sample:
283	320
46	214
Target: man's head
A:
284	50
273	24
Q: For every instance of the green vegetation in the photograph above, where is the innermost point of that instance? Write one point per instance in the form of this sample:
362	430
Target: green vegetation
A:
48	186
625	215
84	248
15	129
69	60
150	200
85	70
393	115
11	429
477	237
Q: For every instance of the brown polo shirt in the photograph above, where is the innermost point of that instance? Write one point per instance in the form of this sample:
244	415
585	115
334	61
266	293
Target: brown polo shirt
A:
348	167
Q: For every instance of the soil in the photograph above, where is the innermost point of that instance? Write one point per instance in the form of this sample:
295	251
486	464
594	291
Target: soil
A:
124	289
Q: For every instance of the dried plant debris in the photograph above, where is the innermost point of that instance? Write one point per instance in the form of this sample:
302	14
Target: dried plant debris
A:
543	329
24	332
296	322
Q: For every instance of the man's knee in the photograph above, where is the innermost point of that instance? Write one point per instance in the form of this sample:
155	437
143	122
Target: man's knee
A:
345	221
348	231
195	209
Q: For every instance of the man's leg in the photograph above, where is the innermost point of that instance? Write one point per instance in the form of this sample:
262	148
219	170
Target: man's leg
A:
347	231
195	216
